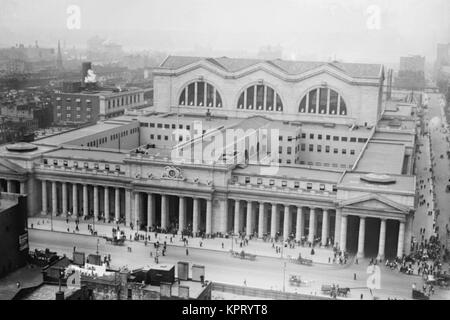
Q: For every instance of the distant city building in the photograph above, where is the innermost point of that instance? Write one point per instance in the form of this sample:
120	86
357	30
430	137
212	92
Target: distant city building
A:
442	66
85	101
411	74
22	59
13	232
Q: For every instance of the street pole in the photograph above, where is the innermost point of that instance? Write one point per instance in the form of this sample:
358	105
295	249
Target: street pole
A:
51	221
98	240
284	277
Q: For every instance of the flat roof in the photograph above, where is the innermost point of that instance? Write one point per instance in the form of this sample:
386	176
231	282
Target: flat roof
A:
195	288
88	154
403	183
48	292
294	172
67	137
101	92
382	158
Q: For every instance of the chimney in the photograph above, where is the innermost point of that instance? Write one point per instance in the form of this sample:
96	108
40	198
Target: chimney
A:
85	66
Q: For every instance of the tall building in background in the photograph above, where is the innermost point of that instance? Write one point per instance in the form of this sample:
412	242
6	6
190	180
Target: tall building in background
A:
442	66
411	74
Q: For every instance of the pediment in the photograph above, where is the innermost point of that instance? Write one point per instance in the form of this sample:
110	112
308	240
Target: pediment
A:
374	202
9	167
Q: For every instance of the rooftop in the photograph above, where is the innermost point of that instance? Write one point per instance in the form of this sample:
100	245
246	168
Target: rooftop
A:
68	136
402	183
382	158
356	70
88	154
294	172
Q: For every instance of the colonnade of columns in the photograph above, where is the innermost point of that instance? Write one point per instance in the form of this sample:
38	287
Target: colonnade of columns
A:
61	205
362	236
272	211
245	215
165	209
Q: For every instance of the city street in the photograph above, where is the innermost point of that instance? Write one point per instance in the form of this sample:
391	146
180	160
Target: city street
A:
441	165
265	272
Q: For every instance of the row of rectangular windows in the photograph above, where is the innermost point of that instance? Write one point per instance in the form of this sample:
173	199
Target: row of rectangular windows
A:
96	166
327	149
325	164
121	102
328	137
68	108
68	115
123	134
166	125
284	183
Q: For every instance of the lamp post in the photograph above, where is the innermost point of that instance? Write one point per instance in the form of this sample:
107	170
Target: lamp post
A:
284	277
98	240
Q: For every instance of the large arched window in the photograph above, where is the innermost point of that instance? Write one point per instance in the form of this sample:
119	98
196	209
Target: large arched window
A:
323	100
200	94
260	97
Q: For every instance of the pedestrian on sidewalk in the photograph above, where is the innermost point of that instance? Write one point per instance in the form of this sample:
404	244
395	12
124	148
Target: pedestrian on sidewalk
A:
187	251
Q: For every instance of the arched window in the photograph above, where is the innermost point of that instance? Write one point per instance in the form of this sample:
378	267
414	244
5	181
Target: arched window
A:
200	94
260	97
323	101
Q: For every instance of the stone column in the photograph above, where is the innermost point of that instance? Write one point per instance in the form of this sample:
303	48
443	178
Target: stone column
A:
64	198
137	210
195	214
150	211
325	228
117	204
382	239
106	206
85	200
164	217
208	216
181	214
54	199
22	187
9	186
361	236
44	197
299	225
75	200
401	239
237	204
343	240
249	218
408	232
337	227
312	224
95	202
261	219
273	221
286	222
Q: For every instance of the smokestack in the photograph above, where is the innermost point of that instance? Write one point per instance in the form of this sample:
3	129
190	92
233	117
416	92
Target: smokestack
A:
85	66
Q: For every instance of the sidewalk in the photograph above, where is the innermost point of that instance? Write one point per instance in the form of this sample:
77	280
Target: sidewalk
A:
255	246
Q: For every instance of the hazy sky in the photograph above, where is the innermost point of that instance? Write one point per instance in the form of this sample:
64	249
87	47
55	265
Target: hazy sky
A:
304	28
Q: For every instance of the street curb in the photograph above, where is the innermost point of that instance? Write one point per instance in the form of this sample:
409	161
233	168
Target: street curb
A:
172	245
